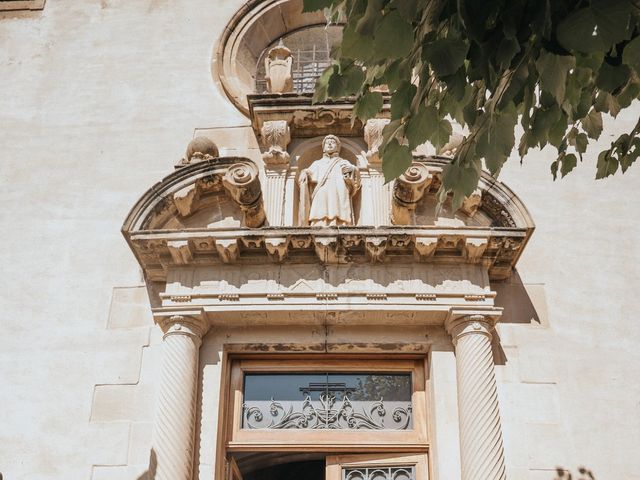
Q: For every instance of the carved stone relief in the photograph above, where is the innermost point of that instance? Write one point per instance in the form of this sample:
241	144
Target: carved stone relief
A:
276	136
373	137
327	188
278	69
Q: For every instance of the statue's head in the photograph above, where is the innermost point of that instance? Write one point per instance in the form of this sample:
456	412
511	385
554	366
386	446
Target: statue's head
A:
331	144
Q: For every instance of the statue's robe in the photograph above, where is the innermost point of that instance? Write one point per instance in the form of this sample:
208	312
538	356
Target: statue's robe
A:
330	200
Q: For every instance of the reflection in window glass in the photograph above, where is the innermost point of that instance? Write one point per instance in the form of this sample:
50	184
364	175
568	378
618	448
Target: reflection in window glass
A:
378	401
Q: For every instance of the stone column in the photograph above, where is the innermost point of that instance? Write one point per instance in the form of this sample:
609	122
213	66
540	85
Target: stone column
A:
173	439
481	449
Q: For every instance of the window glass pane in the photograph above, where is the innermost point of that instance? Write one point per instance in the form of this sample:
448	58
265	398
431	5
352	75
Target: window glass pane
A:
376	401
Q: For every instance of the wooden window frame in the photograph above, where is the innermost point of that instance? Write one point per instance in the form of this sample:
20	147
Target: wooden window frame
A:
239	439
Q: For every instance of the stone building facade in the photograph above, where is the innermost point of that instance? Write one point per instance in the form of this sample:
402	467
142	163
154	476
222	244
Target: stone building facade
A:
274	309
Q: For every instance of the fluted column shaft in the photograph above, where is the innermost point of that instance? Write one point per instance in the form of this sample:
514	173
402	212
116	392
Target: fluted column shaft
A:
173	440
481	447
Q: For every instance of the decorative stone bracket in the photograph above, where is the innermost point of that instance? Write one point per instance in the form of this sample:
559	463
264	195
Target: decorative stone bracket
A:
373	137
275	136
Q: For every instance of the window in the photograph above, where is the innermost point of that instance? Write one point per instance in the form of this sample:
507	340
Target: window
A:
311	51
327	404
327	400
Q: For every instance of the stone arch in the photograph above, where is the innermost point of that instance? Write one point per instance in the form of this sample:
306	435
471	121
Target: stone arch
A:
251	30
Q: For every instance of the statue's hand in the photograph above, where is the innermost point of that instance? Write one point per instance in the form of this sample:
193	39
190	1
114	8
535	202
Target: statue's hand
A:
347	169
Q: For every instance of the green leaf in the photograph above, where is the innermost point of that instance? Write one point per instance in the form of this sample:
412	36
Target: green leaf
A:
554	170
596	27
607	165
611	78
631	54
553	70
631	156
321	91
354	45
628	94
445	55
569	162
421	125
557	130
497	142
581	143
313	5
368	105
592	124
543	120
401	100
367	24
461	179
393	37
396	73
396	159
441	135
346	83
507	49
605	102
407	9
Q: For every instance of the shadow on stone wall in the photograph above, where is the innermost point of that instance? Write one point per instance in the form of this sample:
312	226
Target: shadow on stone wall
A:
150	474
522	303
583	474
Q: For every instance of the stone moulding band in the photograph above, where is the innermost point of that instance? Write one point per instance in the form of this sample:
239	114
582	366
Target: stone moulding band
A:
497	248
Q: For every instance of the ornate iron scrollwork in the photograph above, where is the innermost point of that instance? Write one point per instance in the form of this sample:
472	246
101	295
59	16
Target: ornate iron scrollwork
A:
379	473
325	413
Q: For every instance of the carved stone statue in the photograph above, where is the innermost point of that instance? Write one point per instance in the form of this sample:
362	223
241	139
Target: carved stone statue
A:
277	66
327	188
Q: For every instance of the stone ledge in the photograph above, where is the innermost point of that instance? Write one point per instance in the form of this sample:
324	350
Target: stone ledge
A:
496	248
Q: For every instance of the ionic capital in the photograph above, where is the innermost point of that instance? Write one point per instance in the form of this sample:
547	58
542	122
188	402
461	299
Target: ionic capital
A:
460	326
184	325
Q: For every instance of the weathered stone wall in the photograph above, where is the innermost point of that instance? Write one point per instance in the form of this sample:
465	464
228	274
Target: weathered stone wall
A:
99	99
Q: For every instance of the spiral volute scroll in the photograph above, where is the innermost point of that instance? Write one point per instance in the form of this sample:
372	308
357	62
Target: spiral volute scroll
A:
408	190
173	440
481	445
243	184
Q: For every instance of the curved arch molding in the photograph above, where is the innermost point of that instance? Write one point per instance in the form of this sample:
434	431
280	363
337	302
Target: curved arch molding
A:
252	29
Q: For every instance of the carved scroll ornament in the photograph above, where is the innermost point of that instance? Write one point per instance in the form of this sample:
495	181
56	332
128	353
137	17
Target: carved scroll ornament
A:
408	190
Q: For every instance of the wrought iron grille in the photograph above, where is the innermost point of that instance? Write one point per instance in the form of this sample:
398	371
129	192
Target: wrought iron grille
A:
327	401
311	50
379	473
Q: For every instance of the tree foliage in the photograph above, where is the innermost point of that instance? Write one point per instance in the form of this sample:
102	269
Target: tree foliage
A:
551	66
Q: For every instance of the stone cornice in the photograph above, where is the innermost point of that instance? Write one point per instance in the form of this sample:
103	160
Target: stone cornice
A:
497	248
304	118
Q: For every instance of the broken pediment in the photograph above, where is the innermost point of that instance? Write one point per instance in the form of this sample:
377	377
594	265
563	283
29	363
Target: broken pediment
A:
221	192
415	201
